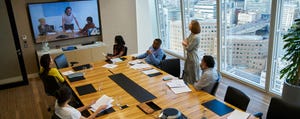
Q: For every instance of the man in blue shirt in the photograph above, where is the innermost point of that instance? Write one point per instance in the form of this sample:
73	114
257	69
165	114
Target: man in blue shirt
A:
153	55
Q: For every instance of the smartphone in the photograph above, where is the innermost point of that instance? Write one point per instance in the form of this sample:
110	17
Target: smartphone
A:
123	107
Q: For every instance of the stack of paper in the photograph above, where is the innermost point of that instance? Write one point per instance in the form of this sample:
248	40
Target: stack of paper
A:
150	71
104	100
135	62
178	86
116	60
68	72
236	114
110	66
140	66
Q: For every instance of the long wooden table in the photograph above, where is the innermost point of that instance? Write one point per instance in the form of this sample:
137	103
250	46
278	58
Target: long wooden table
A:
188	103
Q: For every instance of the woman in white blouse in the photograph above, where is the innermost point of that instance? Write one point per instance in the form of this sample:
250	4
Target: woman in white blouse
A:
65	111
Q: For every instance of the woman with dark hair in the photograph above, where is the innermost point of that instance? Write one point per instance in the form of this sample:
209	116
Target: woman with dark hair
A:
65	111
45	69
191	45
119	48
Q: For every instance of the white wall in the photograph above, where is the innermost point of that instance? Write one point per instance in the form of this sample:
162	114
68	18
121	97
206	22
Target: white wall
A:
118	17
144	25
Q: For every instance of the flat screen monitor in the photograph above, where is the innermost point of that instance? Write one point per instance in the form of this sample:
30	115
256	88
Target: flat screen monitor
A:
52	21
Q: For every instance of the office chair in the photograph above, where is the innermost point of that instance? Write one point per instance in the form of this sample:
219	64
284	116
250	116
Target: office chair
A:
279	109
62	62
54	116
50	86
237	98
164	57
125	51
212	88
171	66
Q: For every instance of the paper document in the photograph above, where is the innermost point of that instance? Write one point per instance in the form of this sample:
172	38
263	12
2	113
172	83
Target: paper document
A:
77	74
104	100
140	66
151	71
67	72
181	89
237	114
110	66
176	84
116	60
135	62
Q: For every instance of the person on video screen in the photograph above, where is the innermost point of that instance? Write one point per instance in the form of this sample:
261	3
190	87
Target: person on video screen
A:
43	27
87	26
67	20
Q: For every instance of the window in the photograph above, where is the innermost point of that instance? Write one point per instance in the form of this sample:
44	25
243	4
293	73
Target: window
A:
289	10
245	22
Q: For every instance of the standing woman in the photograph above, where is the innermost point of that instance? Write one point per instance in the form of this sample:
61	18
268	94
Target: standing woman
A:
191	44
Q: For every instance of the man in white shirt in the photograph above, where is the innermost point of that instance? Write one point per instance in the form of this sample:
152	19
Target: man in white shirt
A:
209	74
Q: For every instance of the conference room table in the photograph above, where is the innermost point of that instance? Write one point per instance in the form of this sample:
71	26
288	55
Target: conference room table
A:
188	103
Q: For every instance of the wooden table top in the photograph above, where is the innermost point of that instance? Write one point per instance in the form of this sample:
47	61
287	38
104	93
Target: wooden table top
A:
188	103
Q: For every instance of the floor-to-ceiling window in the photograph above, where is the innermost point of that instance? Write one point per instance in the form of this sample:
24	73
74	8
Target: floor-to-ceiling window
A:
287	11
245	31
245	34
172	26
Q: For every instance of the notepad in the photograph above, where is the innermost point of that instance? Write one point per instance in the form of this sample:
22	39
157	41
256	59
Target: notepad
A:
218	107
85	89
237	114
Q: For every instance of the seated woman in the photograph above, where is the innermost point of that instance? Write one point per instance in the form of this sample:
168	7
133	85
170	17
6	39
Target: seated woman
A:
119	48
65	111
45	69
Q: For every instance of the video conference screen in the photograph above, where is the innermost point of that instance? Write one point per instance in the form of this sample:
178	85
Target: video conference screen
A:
54	21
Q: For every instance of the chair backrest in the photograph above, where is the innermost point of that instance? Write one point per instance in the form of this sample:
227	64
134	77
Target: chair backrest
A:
171	66
54	116
61	61
237	98
125	51
164	57
212	88
50	85
279	109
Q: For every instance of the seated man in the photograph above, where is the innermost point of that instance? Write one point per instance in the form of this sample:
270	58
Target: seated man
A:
153	55
209	74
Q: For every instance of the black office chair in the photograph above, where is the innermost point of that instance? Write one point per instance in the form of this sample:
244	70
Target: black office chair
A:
279	109
171	66
212	88
54	116
62	62
236	98
50	86
125	51
164	57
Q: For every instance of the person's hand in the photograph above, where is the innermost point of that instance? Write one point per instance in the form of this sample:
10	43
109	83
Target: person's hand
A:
102	107
149	52
93	102
134	58
184	43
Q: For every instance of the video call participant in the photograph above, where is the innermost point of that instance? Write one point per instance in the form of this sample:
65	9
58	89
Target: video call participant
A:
67	20
43	27
87	26
154	54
